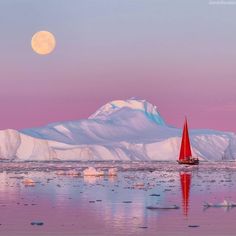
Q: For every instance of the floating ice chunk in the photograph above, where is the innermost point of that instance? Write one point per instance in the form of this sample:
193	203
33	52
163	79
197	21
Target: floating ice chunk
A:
61	172
29	182
91	171
155	207
100	173
127	201
73	173
225	203
139	185
38	223
112	172
155	195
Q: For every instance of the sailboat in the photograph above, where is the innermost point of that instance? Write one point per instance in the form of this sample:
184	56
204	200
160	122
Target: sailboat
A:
185	155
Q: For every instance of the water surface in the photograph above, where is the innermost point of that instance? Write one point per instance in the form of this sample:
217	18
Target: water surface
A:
70	205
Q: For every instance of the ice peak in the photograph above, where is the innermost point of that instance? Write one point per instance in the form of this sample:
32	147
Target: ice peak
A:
133	104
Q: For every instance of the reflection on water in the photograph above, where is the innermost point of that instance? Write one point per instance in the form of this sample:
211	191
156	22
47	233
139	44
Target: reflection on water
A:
91	179
98	206
185	179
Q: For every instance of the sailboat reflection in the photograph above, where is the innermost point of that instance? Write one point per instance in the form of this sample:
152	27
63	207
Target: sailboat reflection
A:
185	179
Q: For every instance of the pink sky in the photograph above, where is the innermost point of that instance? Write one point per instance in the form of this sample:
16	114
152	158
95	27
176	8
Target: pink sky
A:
183	61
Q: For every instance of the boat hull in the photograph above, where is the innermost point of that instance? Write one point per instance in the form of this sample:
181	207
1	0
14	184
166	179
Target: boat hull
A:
192	161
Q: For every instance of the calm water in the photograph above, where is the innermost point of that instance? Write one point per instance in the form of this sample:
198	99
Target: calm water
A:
98	206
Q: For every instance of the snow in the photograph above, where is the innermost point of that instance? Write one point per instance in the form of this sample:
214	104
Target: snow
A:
134	104
129	130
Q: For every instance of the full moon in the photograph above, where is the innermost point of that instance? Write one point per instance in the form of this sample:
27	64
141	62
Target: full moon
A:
43	42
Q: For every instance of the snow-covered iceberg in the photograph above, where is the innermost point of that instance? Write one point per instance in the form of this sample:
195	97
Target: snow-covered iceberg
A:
130	129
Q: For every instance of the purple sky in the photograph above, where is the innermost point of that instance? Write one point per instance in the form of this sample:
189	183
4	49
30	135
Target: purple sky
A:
178	55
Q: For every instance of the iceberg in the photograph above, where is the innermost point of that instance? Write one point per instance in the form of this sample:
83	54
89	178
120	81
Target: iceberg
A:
91	171
121	130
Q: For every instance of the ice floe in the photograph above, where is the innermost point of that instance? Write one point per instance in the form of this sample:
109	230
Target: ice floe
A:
29	182
112	172
225	203
167	207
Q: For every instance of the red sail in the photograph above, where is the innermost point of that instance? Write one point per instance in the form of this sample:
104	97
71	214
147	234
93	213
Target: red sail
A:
185	179
185	150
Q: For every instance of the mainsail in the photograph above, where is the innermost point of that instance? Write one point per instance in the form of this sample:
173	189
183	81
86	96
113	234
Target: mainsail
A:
185	150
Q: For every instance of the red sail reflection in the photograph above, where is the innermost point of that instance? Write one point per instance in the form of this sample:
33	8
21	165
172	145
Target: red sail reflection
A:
185	178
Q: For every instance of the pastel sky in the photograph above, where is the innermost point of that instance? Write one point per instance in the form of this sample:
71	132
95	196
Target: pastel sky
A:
178	54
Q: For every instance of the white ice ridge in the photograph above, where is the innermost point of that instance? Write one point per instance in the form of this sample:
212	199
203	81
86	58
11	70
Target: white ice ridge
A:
130	129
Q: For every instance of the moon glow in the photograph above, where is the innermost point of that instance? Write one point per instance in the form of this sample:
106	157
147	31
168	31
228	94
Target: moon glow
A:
43	42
